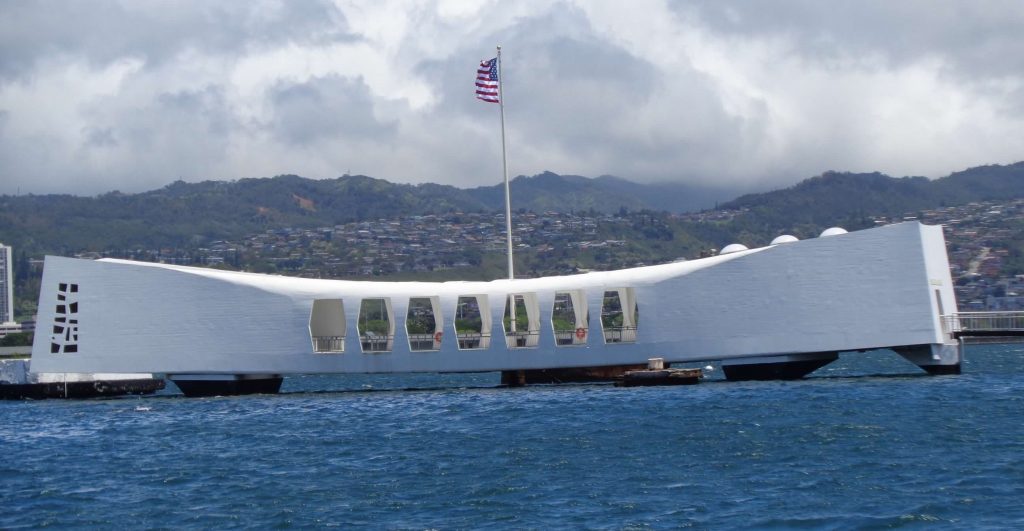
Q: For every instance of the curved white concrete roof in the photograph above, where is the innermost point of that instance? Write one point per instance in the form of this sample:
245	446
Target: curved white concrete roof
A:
306	287
785	238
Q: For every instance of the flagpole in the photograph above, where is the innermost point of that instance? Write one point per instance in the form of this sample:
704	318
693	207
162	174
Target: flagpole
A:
504	164
508	200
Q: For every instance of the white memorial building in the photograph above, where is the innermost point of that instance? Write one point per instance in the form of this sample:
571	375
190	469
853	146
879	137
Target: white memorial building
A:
778	311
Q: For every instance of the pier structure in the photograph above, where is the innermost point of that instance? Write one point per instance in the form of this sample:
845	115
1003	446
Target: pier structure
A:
969	325
779	311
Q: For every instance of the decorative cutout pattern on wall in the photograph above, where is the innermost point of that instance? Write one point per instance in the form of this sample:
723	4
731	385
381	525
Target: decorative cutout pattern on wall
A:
65	321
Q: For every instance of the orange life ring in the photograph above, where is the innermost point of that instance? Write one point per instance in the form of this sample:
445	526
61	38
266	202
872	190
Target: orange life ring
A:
581	333
438	336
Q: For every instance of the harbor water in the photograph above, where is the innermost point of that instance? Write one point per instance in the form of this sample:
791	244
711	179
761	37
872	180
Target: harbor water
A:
868	441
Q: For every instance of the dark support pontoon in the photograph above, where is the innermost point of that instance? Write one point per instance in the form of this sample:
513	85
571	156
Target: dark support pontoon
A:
198	385
787	367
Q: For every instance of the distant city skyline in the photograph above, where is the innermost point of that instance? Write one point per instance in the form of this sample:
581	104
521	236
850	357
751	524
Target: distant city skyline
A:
105	95
6	285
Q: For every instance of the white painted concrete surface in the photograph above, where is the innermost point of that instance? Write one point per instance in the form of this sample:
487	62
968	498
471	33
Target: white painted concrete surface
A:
862	290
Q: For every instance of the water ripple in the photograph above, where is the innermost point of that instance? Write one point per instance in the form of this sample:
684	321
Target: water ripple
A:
867	443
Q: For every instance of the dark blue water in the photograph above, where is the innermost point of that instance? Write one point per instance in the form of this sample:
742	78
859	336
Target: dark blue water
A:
869	441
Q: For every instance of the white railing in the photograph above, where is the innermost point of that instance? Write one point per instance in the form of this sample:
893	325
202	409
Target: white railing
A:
328	343
519	339
376	343
620	334
422	342
473	340
984	323
570	336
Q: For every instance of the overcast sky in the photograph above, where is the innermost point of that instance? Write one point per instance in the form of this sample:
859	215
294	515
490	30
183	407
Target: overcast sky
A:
130	95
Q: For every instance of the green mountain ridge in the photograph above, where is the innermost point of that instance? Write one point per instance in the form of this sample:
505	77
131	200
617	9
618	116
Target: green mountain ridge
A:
183	214
850	199
630	223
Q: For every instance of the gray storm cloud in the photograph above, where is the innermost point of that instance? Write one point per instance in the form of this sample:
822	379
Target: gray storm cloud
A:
104	95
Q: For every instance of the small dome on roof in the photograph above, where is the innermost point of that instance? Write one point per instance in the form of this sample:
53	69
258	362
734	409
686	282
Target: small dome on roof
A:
785	238
733	248
832	231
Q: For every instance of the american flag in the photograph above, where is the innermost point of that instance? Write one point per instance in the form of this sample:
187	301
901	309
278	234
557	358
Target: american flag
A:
487	81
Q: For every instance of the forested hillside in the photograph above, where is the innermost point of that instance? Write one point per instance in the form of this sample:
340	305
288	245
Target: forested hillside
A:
190	213
851	199
358	226
183	214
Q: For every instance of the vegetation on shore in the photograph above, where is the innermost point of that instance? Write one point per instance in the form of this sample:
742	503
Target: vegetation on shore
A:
651	225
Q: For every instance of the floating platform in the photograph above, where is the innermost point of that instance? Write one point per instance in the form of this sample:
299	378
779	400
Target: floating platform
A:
611	373
18	383
660	377
80	389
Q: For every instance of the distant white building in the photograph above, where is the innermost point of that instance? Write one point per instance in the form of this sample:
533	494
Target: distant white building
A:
6	286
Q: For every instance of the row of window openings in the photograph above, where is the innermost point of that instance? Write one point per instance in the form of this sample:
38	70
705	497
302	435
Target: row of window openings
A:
570	322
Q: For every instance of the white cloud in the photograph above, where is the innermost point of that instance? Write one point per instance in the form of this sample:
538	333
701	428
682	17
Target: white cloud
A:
134	95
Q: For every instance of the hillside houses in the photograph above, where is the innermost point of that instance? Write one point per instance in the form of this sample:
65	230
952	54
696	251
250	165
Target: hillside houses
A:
978	235
407	244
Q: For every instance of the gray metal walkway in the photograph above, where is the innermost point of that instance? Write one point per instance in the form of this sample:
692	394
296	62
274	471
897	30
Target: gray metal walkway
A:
984	324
